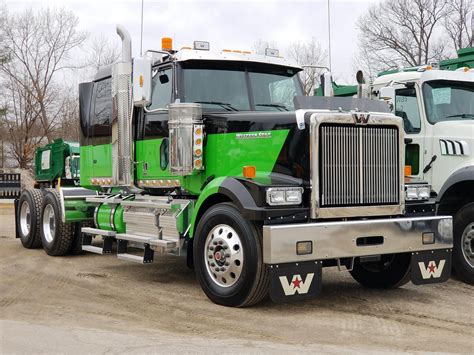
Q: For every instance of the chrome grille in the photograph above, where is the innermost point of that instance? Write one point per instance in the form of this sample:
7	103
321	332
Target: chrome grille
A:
359	165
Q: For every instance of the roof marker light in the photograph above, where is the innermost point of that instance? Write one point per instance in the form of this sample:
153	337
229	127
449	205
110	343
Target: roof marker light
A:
201	45
269	52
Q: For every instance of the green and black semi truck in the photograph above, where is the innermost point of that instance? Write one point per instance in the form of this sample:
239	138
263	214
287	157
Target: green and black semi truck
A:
217	157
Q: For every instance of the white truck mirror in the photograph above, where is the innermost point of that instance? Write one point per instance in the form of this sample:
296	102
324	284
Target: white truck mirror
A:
142	78
387	93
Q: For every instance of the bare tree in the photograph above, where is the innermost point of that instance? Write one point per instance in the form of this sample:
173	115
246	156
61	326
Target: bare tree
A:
21	123
102	52
260	45
310	54
38	46
456	23
399	33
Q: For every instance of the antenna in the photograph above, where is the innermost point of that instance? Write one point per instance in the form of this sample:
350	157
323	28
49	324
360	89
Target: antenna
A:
141	33
329	34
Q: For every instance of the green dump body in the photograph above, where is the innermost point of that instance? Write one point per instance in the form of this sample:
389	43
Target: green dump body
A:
50	161
465	59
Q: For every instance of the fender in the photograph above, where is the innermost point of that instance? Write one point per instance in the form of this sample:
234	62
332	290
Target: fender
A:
463	174
249	197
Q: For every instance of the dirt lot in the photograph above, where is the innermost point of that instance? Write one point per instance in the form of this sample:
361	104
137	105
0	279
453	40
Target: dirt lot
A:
98	304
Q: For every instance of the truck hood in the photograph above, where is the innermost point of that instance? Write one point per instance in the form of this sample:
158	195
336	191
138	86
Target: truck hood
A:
455	129
455	137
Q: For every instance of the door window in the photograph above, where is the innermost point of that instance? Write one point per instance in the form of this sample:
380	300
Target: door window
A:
406	107
161	88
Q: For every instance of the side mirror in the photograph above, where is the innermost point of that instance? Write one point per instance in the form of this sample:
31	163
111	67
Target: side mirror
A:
141	81
387	94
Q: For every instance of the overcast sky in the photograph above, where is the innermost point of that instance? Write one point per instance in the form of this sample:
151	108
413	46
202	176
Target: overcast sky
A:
225	24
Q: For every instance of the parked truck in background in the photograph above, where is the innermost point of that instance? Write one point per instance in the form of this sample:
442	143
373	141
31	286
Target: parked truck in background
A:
216	156
436	103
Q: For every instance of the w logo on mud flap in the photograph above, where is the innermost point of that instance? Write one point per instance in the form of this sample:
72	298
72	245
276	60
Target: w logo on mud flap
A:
297	285
432	270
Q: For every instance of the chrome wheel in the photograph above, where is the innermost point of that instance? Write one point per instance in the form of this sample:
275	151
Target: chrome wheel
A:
49	223
224	255
25	218
467	244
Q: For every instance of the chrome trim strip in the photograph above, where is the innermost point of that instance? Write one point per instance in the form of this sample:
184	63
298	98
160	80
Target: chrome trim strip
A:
332	240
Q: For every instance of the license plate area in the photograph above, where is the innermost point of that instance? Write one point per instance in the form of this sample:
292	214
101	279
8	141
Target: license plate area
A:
432	266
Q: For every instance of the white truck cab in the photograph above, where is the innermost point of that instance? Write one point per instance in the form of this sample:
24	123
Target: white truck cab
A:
437	107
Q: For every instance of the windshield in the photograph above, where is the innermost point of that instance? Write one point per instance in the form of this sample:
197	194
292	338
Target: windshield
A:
448	100
237	86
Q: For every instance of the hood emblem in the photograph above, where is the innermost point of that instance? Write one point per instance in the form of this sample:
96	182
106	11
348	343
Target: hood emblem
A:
361	117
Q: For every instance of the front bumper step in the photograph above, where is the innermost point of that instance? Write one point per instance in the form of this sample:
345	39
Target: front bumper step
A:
347	239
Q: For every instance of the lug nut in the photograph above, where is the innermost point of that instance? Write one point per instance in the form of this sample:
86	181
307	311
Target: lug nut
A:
214	242
222	268
225	246
227	255
217	269
227	264
213	264
211	248
220	242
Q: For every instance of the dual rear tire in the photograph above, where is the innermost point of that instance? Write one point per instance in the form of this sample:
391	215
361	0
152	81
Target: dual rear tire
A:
40	223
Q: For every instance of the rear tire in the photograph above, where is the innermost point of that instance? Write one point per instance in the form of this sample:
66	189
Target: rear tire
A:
29	218
56	236
228	258
392	271
463	245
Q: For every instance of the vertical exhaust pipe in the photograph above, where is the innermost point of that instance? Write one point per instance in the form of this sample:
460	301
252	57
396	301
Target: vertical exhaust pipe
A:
126	44
122	142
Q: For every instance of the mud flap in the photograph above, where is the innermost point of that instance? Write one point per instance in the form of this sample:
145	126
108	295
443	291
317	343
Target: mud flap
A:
16	203
429	267
295	281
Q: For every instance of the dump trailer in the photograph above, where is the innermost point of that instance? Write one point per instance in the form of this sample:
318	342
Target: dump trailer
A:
217	157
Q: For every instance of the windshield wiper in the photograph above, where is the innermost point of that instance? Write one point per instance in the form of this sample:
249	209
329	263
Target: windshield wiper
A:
462	115
283	107
225	105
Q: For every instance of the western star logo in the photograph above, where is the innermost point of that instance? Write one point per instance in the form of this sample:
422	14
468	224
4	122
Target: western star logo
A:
432	270
253	135
297	285
361	117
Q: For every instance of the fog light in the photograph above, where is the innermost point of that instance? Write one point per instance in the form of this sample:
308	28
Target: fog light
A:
304	248
428	238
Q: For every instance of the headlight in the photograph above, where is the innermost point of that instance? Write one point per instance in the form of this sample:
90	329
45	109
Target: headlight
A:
417	192
284	196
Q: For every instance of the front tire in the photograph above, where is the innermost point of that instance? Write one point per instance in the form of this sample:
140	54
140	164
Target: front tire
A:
29	218
463	246
392	271
228	258
56	236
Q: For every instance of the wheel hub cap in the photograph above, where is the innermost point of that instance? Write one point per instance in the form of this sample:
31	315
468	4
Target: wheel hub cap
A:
224	255
25	218
49	223
467	244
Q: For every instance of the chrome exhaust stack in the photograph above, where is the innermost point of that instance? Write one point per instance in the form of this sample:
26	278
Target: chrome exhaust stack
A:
122	142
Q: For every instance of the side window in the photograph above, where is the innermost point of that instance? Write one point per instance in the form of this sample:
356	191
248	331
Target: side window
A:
102	117
161	88
406	107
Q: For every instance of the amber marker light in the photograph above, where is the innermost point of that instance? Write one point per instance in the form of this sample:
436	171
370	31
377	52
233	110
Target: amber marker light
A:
166	44
407	170
249	172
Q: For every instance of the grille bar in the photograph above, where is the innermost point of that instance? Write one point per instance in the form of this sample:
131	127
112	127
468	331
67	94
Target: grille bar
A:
359	165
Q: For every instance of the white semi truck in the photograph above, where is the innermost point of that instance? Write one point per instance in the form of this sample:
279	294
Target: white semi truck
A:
437	107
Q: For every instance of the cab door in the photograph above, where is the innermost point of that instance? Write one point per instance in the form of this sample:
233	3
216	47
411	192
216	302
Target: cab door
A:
152	148
407	106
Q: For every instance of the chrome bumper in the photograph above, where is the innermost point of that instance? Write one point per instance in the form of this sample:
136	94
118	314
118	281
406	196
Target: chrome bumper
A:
333	240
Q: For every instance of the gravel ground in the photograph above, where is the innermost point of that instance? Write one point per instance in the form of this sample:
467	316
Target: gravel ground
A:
98	304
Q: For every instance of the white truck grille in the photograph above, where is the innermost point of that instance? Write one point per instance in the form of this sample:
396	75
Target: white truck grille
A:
359	165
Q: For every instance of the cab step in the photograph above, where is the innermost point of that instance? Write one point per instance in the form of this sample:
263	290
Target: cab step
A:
89	233
122	246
